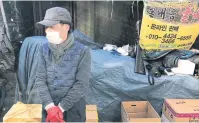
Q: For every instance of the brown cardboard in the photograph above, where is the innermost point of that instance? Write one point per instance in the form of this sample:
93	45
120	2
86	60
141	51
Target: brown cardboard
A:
91	113
138	111
138	115
20	112
181	110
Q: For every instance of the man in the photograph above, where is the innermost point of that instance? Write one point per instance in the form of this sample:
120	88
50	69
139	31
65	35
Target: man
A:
63	69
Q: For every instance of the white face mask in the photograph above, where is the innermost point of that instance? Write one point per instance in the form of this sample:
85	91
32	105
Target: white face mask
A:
53	37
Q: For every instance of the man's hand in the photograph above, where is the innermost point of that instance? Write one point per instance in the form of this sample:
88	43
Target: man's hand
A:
54	114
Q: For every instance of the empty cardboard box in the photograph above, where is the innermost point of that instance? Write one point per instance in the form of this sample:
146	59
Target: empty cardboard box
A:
138	111
181	110
91	113
20	112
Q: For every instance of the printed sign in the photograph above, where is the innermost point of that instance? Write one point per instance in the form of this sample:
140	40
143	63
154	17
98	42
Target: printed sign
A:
169	25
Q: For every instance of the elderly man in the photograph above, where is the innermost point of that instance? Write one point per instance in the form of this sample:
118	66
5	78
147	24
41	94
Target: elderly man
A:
63	69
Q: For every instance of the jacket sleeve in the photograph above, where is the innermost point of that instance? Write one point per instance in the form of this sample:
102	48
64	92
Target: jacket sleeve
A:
82	81
41	80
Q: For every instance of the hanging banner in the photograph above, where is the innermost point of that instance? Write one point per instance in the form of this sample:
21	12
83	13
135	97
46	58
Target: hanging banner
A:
169	25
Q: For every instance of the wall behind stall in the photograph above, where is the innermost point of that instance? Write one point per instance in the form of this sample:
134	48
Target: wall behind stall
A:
108	21
104	21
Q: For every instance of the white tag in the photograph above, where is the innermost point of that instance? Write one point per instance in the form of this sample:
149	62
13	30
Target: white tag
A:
184	67
169	73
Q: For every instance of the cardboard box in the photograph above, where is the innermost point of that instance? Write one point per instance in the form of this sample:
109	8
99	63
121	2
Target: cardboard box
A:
138	111
91	113
181	110
20	112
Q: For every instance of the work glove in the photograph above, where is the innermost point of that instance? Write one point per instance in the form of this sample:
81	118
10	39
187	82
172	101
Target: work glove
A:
54	115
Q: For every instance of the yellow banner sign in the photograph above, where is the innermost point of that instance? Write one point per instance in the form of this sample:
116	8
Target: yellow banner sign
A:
169	25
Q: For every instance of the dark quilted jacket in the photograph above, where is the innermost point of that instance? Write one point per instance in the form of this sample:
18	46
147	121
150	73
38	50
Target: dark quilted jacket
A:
65	82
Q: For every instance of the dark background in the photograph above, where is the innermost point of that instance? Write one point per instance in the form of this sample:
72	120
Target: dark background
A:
93	18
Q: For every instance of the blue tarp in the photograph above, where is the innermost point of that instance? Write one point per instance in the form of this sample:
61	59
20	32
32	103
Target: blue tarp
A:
113	80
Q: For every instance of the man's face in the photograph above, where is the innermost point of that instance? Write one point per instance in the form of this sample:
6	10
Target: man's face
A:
62	29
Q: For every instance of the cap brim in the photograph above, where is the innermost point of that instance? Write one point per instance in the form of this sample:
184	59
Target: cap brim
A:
46	23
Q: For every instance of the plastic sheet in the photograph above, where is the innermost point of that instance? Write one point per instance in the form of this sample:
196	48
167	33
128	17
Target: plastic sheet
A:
113	80
82	38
